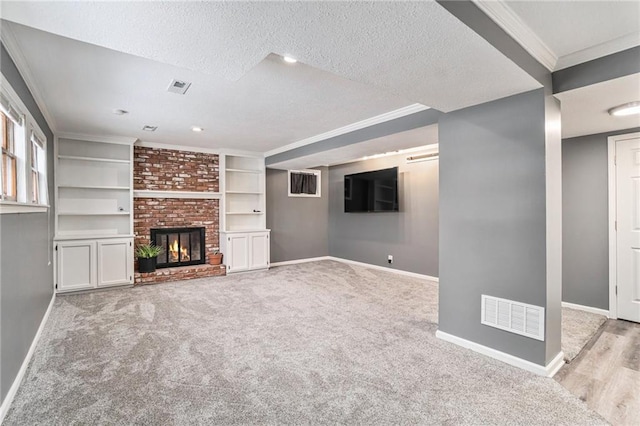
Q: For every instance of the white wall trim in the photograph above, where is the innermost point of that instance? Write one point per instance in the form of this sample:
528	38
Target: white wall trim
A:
298	261
354	262
8	399
508	20
594	52
384	268
613	256
391	115
11	43
586	309
548	371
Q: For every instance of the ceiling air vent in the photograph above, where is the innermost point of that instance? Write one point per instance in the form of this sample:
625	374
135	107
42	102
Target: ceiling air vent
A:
178	86
516	317
422	157
150	128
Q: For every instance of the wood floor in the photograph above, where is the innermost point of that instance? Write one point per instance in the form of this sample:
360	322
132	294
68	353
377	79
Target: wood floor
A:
606	374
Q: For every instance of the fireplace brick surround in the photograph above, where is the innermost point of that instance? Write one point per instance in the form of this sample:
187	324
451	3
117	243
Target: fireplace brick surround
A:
171	170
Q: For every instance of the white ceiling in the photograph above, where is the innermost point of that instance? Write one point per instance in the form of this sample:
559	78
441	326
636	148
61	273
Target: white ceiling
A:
419	137
362	59
272	104
585	110
577	30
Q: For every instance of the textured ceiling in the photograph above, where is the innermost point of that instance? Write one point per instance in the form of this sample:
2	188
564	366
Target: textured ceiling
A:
272	105
415	50
571	27
585	110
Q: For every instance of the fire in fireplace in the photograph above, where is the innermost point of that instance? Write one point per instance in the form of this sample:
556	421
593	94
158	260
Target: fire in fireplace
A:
181	246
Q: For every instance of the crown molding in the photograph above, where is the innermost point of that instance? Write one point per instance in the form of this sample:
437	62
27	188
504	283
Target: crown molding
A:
96	138
13	48
388	116
594	52
509	21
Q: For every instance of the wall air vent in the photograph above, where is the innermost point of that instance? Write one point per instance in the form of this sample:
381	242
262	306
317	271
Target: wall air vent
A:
516	317
422	157
150	128
178	86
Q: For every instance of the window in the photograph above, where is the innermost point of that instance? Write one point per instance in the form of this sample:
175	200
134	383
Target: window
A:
23	166
304	183
9	162
38	170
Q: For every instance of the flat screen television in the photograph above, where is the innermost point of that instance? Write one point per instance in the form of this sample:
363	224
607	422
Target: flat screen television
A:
375	191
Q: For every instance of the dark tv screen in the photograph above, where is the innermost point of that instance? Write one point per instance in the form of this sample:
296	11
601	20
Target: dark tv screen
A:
375	191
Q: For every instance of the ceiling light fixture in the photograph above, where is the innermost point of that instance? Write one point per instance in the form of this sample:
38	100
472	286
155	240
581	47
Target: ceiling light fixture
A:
290	60
120	112
626	109
150	128
197	129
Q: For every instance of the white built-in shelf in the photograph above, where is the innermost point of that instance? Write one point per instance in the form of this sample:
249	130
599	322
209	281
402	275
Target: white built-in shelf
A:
245	213
66	237
244	171
176	194
100	160
94	213
124	188
244	192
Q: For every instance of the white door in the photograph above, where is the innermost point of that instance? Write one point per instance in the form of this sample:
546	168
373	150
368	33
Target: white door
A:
115	262
75	265
628	228
238	245
259	250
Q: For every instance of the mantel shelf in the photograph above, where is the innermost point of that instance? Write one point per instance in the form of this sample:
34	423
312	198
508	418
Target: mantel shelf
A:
176	194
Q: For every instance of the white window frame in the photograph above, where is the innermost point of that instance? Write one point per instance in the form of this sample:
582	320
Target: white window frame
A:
318	174
23	147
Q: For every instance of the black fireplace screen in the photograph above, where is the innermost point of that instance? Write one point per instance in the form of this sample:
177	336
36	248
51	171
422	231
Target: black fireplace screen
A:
180	246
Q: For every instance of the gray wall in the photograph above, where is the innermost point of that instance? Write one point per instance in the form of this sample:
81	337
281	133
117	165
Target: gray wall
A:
26	277
298	224
410	235
493	217
585	234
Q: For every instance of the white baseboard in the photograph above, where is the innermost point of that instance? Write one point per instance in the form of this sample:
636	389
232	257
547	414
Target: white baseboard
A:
297	261
8	399
548	371
586	309
384	268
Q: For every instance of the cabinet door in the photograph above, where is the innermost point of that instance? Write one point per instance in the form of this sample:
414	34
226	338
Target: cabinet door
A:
259	250
115	262
76	265
238	251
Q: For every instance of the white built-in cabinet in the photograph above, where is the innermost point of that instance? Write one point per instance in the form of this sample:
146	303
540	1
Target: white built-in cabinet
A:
94	213
244	239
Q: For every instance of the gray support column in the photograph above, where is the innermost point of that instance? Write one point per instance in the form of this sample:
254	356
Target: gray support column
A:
500	219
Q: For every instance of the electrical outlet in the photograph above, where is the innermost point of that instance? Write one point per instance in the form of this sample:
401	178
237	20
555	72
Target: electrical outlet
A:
390	258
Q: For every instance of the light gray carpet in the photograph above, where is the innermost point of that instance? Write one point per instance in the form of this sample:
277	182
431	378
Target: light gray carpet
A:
578	327
315	343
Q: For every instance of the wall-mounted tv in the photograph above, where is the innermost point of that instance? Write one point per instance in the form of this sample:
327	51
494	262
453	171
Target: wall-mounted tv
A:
375	191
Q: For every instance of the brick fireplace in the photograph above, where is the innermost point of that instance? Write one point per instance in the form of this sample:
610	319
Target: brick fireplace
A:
157	173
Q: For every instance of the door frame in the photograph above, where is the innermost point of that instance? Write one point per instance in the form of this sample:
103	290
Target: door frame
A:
613	237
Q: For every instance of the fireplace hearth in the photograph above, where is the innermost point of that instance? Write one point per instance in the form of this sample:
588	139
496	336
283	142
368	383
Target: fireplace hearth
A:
181	246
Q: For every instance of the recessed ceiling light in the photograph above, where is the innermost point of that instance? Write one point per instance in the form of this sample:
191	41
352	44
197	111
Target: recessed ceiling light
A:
290	60
150	128
120	112
626	109
197	129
